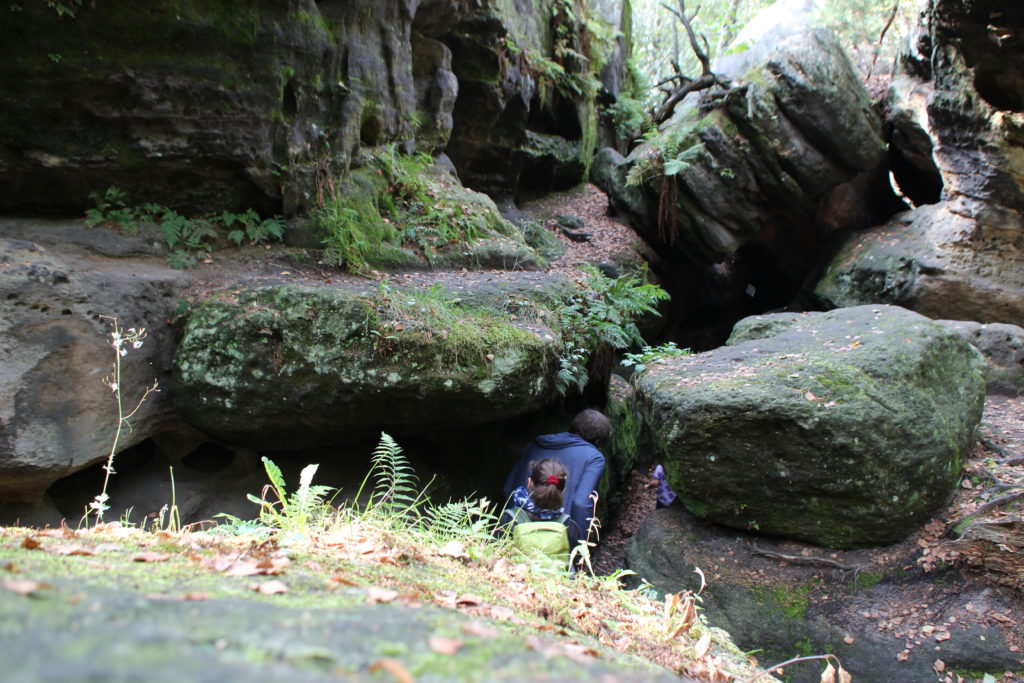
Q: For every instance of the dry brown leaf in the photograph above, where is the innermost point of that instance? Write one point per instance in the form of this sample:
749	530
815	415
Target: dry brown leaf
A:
23	586
242	568
942	635
445	646
194	597
829	674
150	556
844	676
848	640
72	550
702	646
338	579
272	587
273	565
393	667
998	616
11	567
480	630
376	594
903	655
939	666
30	543
580	654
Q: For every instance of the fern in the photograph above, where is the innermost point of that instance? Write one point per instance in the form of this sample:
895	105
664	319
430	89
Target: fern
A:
394	481
297	512
602	314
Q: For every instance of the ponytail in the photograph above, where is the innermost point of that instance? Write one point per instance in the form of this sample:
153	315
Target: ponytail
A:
548	477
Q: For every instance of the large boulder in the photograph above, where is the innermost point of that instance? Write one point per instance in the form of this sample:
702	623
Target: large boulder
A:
798	124
844	428
57	414
952	260
957	115
293	367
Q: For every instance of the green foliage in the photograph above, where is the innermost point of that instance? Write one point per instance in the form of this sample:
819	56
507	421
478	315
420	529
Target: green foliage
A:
189	238
396	204
296	513
652	354
66	8
394	482
602	314
859	25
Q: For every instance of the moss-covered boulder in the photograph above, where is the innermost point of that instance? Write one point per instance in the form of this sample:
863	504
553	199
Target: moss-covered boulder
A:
844	428
728	166
291	367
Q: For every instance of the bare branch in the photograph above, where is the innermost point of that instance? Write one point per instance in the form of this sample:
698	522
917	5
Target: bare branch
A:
801	559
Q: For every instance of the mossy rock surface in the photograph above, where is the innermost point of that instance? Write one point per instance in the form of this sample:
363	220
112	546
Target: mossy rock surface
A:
292	367
844	428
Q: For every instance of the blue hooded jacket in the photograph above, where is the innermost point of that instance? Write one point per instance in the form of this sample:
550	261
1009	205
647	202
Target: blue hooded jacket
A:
585	465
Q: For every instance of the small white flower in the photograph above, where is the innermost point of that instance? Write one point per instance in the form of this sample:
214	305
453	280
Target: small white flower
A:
131	330
136	344
113	386
124	352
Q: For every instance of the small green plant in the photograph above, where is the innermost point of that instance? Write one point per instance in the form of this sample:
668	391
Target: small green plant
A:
652	354
120	340
188	238
293	514
394	491
602	314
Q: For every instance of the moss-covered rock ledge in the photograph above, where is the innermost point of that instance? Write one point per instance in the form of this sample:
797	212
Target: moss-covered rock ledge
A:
293	366
844	428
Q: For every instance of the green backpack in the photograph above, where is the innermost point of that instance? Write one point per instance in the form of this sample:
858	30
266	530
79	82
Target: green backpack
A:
549	537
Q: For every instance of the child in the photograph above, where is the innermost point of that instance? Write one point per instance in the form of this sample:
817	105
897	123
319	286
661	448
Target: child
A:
537	511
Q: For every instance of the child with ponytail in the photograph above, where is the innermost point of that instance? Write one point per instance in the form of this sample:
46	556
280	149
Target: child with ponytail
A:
537	511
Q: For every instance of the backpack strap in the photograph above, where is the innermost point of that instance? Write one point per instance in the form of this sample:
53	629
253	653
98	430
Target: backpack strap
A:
521	516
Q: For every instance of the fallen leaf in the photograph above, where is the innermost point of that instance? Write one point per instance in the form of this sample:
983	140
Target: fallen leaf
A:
376	594
939	666
343	581
11	567
702	646
30	543
902	656
149	556
829	674
272	587
480	630
242	568
810	397
194	597
445	646
454	549
72	550
848	640
942	635
393	667
468	601
580	654
998	616
23	586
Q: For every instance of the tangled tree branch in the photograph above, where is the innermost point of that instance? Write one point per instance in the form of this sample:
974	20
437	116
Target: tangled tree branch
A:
685	85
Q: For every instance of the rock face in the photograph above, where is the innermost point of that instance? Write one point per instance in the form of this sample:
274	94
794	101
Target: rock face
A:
800	125
292	367
784	610
525	113
957	111
1003	349
57	415
959	259
741	190
257	105
844	428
